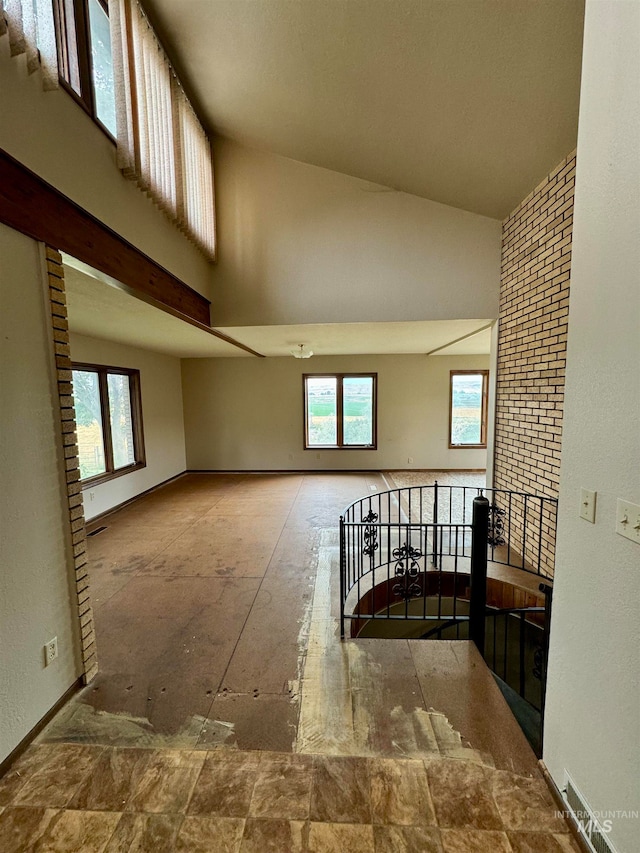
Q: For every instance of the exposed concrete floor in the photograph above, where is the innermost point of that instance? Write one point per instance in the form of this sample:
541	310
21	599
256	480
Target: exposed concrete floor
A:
229	716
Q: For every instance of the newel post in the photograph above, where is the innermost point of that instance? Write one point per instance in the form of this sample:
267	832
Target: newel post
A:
478	602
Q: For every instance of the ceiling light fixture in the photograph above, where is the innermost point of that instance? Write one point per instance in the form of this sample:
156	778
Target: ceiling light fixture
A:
301	352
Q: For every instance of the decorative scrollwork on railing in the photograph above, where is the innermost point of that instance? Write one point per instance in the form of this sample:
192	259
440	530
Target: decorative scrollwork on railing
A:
370	534
496	525
407	570
538	662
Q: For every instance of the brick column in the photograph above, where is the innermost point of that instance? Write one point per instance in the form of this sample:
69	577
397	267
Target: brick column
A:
57	299
532	342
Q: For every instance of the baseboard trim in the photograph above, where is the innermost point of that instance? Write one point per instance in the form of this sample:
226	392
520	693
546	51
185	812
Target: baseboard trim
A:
96	519
332	470
39	726
94	522
562	806
284	471
388	471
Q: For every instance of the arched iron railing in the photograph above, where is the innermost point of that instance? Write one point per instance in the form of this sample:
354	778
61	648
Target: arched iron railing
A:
392	543
422	555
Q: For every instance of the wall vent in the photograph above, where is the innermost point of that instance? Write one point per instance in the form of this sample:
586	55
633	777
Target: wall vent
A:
590	828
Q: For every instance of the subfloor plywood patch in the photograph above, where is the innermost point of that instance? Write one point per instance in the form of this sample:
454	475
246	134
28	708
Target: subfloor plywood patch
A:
344	690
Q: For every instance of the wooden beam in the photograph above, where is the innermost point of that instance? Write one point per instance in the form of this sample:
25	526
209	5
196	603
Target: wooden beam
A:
30	205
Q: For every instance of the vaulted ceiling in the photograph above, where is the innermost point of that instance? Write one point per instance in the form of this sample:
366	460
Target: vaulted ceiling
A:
465	102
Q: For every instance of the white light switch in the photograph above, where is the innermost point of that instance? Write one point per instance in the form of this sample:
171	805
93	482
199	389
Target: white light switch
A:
628	520
588	505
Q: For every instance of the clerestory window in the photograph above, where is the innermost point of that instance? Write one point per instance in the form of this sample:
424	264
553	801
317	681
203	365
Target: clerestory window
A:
112	62
85	60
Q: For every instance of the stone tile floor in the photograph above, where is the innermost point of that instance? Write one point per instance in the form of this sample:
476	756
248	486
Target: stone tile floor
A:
67	798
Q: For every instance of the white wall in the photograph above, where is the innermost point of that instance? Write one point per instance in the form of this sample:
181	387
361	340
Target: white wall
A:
593	699
301	244
246	414
53	136
161	392
36	565
491	403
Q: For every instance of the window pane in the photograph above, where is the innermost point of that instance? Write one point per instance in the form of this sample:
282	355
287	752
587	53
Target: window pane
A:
120	419
357	410
466	408
102	66
67	42
86	398
322	421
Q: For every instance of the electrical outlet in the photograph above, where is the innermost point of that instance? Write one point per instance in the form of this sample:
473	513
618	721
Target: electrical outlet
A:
410	460
92	496
588	505
50	651
628	520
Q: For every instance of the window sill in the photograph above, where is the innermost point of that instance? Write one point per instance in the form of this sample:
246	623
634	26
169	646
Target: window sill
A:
110	475
467	447
86	109
344	447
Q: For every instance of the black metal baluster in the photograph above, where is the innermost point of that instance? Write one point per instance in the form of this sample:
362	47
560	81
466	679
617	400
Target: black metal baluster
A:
388	589
342	578
506	631
524	532
435	523
540	536
495	640
425	577
509	534
357	570
478	603
522	639
455	578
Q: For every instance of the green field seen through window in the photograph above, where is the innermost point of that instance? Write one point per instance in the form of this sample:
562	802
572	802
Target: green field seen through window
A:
357	411
466	409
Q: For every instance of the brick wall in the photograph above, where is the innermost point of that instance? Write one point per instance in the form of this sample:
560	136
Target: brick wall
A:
57	299
534	309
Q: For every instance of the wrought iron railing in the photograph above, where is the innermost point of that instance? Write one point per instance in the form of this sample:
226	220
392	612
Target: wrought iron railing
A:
516	650
391	543
422	555
515	647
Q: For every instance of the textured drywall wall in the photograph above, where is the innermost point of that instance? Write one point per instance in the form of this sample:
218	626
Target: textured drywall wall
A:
593	694
35	578
54	137
247	414
300	244
161	392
